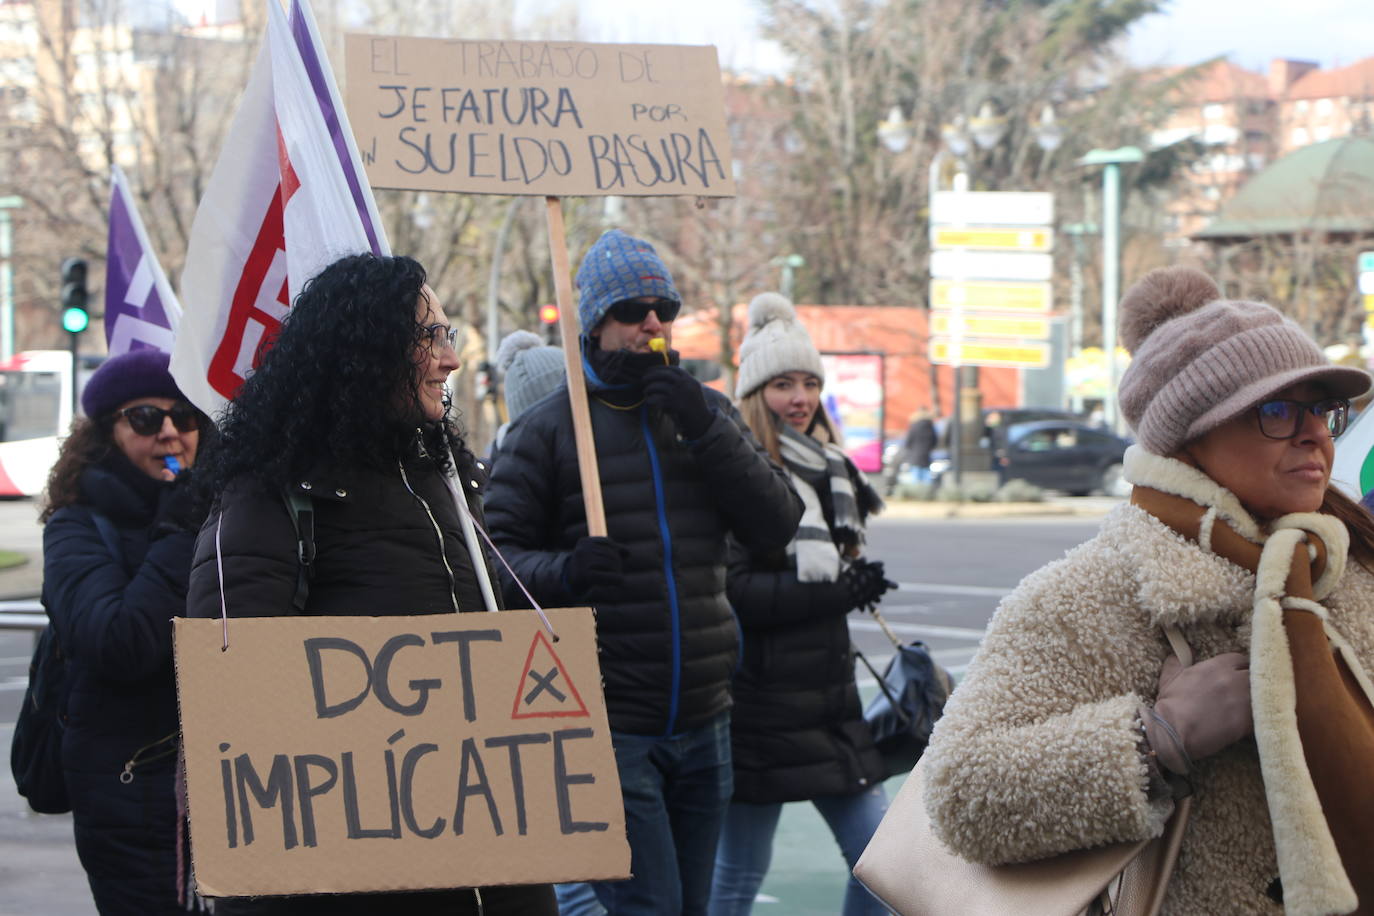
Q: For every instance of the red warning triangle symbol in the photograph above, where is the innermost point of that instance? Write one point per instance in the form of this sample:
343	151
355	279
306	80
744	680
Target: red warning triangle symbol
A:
545	690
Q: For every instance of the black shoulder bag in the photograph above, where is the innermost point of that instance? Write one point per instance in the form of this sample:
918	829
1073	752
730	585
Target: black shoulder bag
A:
911	695
36	749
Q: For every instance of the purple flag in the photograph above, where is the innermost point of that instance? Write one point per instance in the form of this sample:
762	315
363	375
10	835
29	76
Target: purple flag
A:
141	311
321	77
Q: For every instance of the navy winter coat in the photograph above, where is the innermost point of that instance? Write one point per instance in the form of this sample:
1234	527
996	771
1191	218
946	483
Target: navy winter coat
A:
668	639
114	620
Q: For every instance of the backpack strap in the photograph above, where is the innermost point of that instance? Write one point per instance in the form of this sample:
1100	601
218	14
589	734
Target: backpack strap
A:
302	511
109	535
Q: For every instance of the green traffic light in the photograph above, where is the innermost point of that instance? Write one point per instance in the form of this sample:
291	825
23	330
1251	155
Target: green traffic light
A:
75	320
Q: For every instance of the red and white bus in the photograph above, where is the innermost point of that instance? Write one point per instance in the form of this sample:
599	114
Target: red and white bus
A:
35	410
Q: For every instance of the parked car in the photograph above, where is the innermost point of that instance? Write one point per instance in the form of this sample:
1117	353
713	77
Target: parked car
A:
1066	455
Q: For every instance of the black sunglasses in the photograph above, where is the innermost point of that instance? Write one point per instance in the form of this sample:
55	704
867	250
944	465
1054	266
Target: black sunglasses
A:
1283	419
146	419
632	312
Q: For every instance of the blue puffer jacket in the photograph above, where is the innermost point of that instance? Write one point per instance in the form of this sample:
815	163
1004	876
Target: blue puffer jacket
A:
668	639
113	616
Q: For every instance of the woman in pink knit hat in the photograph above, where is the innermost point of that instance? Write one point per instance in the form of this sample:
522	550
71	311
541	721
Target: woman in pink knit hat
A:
1215	639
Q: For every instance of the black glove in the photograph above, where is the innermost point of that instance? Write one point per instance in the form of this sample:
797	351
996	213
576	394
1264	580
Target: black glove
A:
180	507
594	563
673	390
866	583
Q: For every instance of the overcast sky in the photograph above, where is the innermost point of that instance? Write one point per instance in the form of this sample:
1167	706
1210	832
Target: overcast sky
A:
1331	32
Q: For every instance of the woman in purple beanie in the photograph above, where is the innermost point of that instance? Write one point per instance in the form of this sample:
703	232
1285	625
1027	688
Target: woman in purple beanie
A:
119	528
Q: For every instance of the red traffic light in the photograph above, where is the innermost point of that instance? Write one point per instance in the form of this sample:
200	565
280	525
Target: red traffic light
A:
548	314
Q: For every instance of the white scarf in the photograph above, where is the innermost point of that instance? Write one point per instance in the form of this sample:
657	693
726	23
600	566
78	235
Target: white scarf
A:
818	558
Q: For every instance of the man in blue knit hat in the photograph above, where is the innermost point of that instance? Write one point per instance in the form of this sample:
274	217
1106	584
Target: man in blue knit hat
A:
679	472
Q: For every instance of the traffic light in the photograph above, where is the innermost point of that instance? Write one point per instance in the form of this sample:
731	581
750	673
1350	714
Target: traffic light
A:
75	296
548	314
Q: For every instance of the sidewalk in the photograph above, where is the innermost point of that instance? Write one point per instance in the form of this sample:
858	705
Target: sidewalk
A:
24	580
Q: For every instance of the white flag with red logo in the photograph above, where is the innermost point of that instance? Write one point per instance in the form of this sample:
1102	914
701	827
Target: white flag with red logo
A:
287	197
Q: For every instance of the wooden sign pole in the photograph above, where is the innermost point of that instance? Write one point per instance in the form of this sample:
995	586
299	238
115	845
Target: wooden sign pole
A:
577	383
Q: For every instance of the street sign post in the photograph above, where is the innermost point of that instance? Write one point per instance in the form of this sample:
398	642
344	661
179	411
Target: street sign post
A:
975	325
991	296
1017	354
989	254
1365	268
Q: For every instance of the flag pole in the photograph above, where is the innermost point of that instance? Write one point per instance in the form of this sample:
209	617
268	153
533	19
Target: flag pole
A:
577	383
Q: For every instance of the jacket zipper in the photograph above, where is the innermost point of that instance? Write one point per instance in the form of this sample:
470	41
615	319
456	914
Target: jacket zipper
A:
438	533
675	612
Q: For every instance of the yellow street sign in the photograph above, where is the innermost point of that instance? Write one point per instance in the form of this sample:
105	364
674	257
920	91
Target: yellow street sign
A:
976	325
989	238
990	296
988	353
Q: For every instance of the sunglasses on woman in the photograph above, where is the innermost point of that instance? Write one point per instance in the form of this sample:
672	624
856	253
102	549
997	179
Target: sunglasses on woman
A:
146	419
1283	419
633	312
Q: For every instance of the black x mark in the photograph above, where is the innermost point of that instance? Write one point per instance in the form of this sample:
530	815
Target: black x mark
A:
542	684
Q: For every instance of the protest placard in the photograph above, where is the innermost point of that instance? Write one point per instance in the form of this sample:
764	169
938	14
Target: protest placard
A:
538	118
346	754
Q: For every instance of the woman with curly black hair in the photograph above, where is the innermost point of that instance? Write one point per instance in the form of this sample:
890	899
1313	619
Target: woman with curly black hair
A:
349	409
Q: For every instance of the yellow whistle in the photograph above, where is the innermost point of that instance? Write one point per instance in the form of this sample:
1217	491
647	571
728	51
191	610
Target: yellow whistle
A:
658	344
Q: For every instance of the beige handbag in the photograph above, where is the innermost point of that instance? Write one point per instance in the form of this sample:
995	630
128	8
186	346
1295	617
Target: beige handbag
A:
914	874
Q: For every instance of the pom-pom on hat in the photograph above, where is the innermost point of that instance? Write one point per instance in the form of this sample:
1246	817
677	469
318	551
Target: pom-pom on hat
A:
136	374
531	370
776	342
619	267
1199	360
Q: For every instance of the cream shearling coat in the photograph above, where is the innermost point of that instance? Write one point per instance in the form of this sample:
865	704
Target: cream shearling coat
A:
1037	752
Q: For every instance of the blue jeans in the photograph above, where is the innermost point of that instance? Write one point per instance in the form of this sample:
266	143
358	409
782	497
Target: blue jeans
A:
676	790
746	849
578	899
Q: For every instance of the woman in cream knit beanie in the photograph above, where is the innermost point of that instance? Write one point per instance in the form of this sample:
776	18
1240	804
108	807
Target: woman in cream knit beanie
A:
797	730
1213	640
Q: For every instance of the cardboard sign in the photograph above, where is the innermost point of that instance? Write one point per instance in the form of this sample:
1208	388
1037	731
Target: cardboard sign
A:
336	754
538	118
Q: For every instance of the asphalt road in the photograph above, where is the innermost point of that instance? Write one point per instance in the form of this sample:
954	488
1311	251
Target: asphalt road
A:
952	574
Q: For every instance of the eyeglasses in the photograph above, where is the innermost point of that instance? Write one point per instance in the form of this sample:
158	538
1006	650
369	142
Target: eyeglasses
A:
631	311
441	335
1283	419
146	419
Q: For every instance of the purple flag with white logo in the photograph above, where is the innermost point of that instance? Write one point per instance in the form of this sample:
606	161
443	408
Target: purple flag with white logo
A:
141	311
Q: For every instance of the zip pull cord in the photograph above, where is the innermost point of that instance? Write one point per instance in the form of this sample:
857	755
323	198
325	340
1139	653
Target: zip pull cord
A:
219	568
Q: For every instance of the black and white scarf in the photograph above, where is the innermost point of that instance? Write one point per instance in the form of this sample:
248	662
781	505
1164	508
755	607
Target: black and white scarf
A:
815	545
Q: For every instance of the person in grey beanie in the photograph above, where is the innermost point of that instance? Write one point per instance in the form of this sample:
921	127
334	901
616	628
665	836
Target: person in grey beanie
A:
1176	653
679	472
530	370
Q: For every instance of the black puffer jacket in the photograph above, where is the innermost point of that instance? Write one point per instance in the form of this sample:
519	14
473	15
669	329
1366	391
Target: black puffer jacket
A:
387	543
797	731
668	640
377	548
113	617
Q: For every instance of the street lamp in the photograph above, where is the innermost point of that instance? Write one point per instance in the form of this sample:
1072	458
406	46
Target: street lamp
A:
988	127
7	277
789	264
1111	160
1048	134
